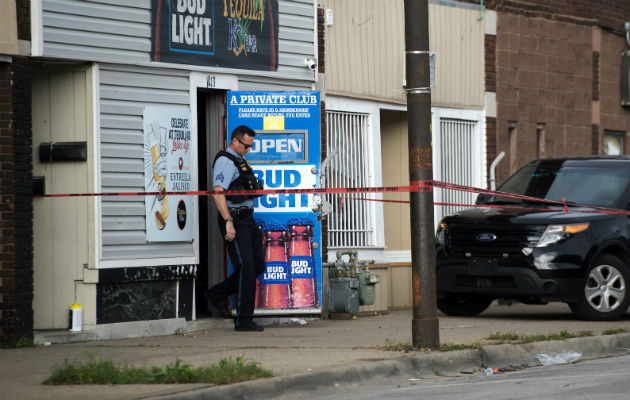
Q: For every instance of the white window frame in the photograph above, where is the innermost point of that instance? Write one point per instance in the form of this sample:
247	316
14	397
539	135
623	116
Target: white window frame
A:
478	151
372	109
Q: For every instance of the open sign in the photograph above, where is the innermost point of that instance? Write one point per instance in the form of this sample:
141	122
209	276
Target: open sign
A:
279	147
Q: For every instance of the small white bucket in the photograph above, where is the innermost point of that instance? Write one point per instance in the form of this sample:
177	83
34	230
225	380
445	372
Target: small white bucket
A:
76	318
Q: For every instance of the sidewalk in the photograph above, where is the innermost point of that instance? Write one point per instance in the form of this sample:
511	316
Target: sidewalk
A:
321	352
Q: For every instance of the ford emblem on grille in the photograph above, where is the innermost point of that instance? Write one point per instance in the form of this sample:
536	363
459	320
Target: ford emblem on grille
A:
486	237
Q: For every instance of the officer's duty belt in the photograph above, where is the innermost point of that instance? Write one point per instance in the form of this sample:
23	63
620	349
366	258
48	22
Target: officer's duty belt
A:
241	211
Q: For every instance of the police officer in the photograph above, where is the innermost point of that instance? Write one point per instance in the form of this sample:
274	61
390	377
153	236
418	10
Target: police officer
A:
240	230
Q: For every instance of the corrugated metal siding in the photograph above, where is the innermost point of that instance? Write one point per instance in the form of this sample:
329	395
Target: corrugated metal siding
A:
124	92
457	36
252	83
119	31
365	52
364	49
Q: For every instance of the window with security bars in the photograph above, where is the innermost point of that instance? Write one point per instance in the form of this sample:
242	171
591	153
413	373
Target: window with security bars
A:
457	162
351	222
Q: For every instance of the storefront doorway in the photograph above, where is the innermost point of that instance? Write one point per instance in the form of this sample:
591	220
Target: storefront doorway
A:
212	136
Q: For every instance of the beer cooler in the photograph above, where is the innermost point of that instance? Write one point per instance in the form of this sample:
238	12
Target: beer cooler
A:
285	155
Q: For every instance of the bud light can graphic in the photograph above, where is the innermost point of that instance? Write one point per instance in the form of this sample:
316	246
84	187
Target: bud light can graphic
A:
302	263
274	286
261	225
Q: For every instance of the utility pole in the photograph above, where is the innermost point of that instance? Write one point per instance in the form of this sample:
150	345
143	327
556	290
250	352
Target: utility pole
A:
425	332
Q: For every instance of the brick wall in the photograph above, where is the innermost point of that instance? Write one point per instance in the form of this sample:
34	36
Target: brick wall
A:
491	143
23	11
609	14
544	76
490	68
16	203
547	71
490	71
612	115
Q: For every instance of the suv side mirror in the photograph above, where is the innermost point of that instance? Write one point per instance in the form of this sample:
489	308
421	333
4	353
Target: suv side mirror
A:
482	198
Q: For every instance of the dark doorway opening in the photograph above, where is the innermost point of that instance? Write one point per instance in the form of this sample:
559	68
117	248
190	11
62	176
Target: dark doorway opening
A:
212	137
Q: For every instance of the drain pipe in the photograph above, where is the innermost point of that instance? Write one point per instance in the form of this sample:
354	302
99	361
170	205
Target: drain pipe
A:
493	166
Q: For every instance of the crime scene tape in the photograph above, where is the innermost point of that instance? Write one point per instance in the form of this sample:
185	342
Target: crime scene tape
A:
385	189
597	210
415	186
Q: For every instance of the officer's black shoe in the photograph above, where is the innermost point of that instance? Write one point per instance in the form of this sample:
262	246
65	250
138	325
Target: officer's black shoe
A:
217	308
248	326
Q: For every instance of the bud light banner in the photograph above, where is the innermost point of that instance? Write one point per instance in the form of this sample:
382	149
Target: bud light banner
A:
285	155
218	33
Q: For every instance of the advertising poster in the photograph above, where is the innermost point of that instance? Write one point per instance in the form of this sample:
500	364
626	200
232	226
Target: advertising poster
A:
218	33
168	168
285	155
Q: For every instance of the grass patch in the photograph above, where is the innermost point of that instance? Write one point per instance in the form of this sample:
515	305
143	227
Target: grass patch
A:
21	343
97	371
614	331
407	347
515	338
497	338
459	346
397	346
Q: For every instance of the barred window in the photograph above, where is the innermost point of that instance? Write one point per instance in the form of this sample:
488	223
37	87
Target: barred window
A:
351	222
457	162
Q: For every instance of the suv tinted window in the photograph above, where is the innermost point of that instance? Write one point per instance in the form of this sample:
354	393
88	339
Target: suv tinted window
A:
580	184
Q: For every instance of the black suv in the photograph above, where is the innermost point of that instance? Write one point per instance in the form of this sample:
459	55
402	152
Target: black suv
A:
536	252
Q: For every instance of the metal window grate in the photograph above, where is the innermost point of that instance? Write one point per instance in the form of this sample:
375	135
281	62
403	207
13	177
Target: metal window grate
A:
350	224
457	163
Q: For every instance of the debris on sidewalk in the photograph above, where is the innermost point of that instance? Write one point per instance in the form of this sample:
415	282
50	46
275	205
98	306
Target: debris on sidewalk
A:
490	371
296	321
565	357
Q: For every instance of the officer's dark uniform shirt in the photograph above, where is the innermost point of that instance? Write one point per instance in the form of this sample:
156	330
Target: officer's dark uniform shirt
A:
225	172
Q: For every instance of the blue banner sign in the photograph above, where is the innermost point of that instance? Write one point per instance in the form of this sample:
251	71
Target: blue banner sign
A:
285	155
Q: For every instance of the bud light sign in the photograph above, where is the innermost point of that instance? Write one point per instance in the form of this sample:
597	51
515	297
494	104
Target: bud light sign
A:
275	273
302	267
285	155
285	177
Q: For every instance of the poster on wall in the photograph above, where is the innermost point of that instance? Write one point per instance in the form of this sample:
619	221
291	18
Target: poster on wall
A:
285	155
216	33
168	168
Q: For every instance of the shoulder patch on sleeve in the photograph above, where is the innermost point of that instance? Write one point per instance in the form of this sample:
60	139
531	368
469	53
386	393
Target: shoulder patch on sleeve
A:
220	177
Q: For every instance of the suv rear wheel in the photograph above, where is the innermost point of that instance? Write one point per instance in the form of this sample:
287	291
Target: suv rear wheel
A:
462	305
605	296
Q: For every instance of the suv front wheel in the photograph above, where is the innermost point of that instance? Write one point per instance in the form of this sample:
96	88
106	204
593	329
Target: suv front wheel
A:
605	296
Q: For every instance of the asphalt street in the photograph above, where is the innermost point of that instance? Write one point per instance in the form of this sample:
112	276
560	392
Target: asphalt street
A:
308	355
602	379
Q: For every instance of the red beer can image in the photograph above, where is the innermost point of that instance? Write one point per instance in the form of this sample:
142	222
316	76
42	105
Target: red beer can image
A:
302	263
274	285
261	225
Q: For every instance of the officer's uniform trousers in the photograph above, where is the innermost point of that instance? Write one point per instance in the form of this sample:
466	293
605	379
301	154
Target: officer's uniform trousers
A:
248	261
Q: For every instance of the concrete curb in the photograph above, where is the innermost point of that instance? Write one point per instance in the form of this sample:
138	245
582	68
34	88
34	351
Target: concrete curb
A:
130	330
151	328
505	357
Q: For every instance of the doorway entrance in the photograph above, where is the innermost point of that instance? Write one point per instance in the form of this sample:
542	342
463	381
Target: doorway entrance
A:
212	136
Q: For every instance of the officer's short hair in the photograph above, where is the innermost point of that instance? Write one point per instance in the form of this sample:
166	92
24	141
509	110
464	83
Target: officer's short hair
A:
241	131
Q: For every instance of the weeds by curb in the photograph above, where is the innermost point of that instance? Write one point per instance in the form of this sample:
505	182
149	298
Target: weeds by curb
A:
498	338
97	371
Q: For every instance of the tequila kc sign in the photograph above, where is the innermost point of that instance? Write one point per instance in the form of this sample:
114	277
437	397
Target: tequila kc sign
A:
220	33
